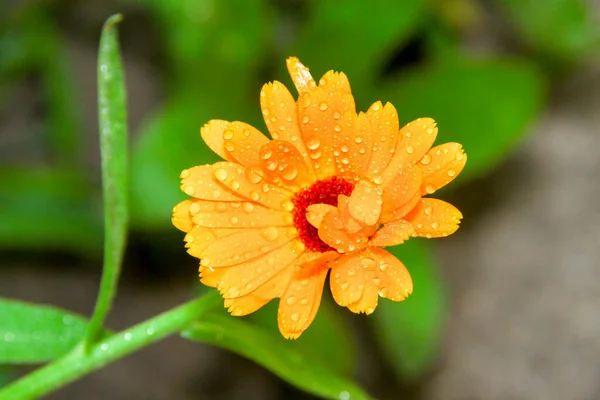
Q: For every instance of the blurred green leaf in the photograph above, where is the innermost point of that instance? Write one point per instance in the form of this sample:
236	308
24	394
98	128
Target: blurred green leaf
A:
273	352
32	333
564	30
409	332
112	117
47	209
354	37
484	105
328	340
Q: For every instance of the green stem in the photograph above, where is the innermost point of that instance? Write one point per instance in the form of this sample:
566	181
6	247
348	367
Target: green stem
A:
78	362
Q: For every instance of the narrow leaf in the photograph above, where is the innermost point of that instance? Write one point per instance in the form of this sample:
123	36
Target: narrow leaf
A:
409	332
274	353
32	333
113	149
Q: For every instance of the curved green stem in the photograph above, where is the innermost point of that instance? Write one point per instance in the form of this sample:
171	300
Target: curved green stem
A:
79	362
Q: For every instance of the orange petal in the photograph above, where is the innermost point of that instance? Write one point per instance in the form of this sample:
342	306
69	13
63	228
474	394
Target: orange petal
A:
283	164
266	292
368	299
333	232
245	245
212	134
244	278
392	234
242	142
200	182
365	203
414	140
248	184
243	214
315	213
347	280
434	218
211	277
395	280
441	165
335	82
352	146
402	193
281	116
181	218
319	113
300	75
301	300
199	237
384	124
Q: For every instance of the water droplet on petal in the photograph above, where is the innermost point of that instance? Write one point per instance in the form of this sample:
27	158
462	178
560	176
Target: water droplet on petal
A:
291	301
426	159
429	211
248	207
410	149
233	292
227	135
323	106
221	174
313	144
295	317
429	189
435	225
451	172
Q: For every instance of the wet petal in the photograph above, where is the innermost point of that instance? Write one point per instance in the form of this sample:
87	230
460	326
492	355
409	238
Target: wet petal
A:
182	218
300	302
271	289
243	214
414	140
352	146
368	299
441	165
199	237
211	276
319	114
347	280
334	81
395	280
402	193
242	142
365	203
300	75
244	278
434	218
283	164
333	232
212	134
392	234
245	245
248	184
200	183
315	213
383	121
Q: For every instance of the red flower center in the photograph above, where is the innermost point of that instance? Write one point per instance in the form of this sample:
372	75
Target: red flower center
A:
325	191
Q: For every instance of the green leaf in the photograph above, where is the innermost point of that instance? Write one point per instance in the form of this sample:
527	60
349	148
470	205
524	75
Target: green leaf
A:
113	150
273	352
351	36
328	339
567	31
409	332
484	105
47	209
32	333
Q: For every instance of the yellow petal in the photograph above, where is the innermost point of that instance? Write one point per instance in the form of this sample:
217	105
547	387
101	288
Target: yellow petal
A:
199	237
315	213
244	278
244	214
300	75
441	165
392	234
283	164
211	277
402	193
395	280
212	134
248	184
245	245
182	218
319	114
434	218
271	289
365	203
352	146
242	142
334	81
347	280
333	232
281	116
301	300
414	140
200	182
384	124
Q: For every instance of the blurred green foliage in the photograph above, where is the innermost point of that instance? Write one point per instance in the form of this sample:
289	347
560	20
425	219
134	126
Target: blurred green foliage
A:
217	54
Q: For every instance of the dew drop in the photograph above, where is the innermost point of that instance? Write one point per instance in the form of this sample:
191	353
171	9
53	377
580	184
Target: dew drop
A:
295	317
221	174
248	207
235	185
426	159
104	347
376	106
265	111
271	233
429	189
289	173
410	149
378	180
233	292
305	119
337	115
304	100
227	135
303	302
435	225
313	144
287	205
189	190
451	172
127	336
367	263
337	128
429	211
459	156
254	196
291	301
323	106
358	139
234	220
204	261
267	154
384	266
185	174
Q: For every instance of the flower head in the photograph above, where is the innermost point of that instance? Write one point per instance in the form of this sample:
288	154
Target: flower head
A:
326	193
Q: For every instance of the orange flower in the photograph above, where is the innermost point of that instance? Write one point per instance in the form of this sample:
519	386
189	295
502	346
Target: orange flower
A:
326	193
